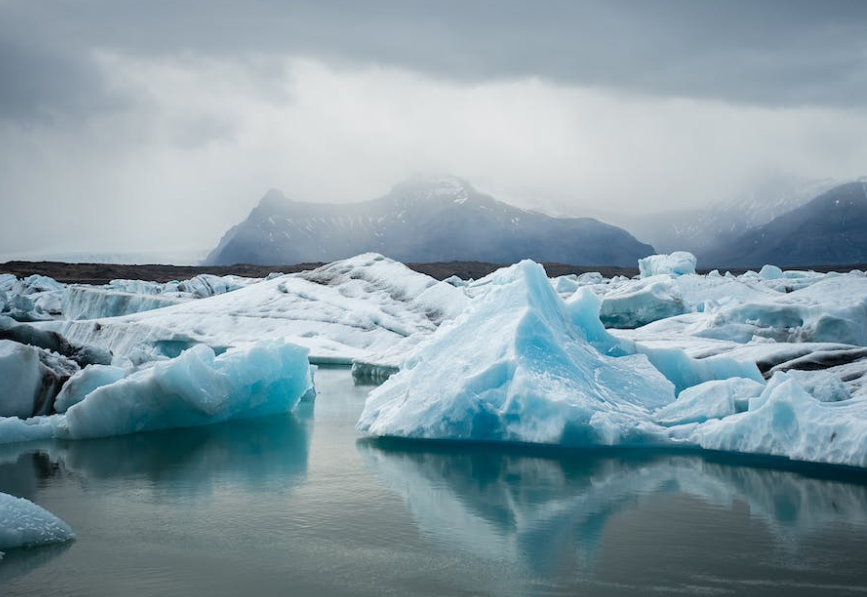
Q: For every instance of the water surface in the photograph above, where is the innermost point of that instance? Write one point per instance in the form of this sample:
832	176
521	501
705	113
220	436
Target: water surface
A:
302	504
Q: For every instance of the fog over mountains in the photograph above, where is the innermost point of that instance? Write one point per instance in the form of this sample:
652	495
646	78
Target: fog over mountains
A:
423	219
428	219
831	229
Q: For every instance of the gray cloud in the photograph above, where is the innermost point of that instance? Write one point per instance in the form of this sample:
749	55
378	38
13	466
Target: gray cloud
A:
132	126
784	52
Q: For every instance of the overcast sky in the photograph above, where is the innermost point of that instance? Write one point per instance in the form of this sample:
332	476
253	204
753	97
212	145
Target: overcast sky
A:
130	126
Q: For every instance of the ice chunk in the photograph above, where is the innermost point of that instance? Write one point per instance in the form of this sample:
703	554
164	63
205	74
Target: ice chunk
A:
710	400
675	264
84	382
35	298
197	388
681	370
124	297
90	302
512	367
359	308
785	420
24	524
770	272
635	306
821	385
31	379
52	341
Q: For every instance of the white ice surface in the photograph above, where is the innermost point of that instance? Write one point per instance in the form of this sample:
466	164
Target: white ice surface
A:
676	264
368	308
124	297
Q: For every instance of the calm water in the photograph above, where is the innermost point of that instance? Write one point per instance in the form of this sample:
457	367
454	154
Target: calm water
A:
303	505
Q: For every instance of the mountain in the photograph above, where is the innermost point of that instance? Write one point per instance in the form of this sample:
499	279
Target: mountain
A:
829	230
711	229
424	219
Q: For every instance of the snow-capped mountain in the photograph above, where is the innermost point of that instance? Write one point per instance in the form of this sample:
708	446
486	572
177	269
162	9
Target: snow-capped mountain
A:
829	230
423	219
711	229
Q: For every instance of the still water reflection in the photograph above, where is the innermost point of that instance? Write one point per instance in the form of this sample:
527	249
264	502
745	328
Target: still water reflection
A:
301	504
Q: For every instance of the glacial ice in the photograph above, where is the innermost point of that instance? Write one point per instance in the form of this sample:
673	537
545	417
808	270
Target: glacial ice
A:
514	356
124	297
368	308
638	305
31	379
676	264
785	420
518	366
522	365
710	400
84	382
88	302
34	298
24	524
196	388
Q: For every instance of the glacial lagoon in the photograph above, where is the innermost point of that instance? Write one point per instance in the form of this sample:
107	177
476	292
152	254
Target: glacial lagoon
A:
303	504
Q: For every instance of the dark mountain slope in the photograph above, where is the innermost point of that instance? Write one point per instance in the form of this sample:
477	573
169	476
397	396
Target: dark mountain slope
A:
422	220
829	230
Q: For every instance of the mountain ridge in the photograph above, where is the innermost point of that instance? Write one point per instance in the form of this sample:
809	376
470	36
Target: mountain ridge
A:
422	219
830	229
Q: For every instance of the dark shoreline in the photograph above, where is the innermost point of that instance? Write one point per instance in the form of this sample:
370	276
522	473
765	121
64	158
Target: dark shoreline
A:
102	273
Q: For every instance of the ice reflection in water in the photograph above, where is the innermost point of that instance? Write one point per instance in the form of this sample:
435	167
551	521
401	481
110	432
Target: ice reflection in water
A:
594	511
300	505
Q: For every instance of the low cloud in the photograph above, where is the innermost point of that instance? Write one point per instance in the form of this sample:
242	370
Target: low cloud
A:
198	141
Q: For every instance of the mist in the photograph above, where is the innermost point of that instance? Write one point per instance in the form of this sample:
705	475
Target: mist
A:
160	142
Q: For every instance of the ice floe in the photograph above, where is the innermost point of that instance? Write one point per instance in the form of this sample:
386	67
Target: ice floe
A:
24	524
196	388
368	308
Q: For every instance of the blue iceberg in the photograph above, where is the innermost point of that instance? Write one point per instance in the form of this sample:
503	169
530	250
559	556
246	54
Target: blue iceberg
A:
521	365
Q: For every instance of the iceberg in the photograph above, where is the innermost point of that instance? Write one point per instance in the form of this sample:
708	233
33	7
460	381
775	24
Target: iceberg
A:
196	388
785	420
124	297
637	305
675	264
24	524
31	377
368	308
84	382
514	368
521	365
89	302
35	298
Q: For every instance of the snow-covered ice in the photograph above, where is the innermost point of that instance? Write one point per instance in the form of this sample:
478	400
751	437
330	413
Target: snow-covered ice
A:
24	524
123	297
368	308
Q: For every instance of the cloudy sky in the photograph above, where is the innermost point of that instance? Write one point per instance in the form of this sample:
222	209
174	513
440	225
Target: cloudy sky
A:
130	126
